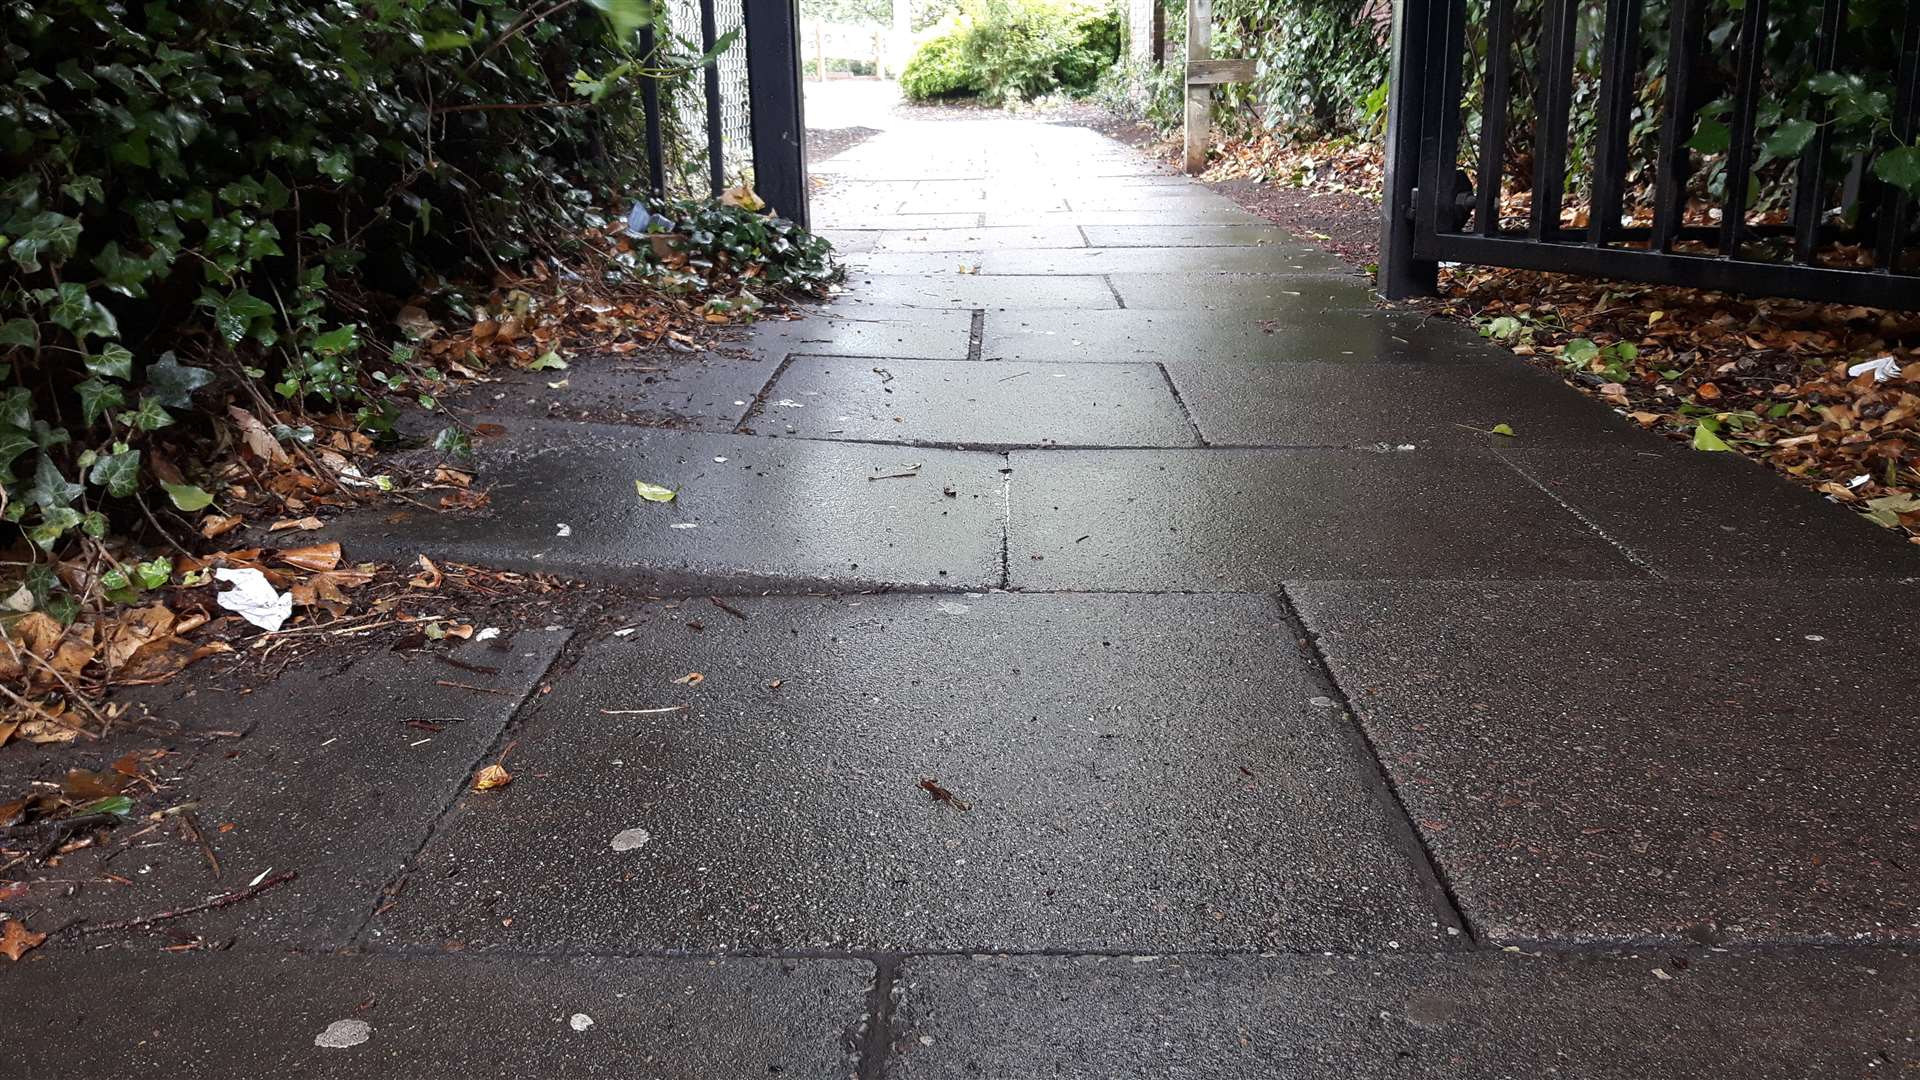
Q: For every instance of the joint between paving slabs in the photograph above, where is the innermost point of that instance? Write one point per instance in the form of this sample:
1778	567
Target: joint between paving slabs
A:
1006	523
976	333
1173	388
1374	775
1593	526
875	1042
1118	301
759	402
563	659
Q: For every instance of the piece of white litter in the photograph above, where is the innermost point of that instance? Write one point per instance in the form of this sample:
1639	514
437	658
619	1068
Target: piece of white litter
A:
254	598
684	525
563	529
1321	702
789	403
580	1021
1661	975
344	1033
630	839
1815	637
719	461
624	631
488	634
262	877
1858	480
1883	368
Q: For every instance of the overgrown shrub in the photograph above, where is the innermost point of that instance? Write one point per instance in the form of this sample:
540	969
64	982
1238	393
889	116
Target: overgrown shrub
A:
1015	50
939	69
214	191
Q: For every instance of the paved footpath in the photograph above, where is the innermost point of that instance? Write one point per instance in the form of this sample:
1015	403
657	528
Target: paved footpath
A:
1293	724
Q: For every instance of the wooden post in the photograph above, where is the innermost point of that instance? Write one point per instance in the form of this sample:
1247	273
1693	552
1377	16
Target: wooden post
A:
1199	95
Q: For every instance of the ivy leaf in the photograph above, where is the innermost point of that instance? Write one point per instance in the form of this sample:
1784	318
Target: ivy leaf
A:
148	416
1790	138
97	396
1706	438
548	361
13	443
114	360
234	315
1711	137
153	573
625	15
16	407
187	497
119	473
172	384
21	332
1900	167
74	310
53	523
51	489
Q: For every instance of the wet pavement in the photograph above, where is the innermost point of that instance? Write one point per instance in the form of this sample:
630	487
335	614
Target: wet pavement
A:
1139	657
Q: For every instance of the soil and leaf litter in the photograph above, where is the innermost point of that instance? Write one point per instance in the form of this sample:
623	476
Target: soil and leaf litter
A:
221	285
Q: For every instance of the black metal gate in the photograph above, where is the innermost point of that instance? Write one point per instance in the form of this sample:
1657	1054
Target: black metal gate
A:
1828	227
771	33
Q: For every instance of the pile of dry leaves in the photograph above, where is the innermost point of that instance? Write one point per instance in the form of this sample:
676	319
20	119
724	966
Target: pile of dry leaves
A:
1333	165
1828	394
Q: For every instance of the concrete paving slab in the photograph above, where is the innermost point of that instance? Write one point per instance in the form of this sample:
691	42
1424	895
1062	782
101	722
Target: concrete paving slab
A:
1190	215
1158	335
1693	514
241	1016
1251	296
700	392
1246	520
850	241
1334	403
1026	236
1269	259
1646	761
770	512
968	291
1618	1017
859	331
837	217
1140	773
951	402
339	778
1183	233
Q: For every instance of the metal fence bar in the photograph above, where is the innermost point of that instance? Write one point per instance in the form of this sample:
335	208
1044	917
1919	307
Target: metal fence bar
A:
773	86
1893	207
1402	273
1813	159
1550	130
1685	22
1751	52
650	105
1451	38
1619	58
716	138
1493	118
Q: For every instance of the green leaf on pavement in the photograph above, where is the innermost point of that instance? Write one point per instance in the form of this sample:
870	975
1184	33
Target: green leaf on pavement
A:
653	492
1503	429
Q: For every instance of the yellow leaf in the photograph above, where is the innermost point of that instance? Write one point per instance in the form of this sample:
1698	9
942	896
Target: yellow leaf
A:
493	776
653	492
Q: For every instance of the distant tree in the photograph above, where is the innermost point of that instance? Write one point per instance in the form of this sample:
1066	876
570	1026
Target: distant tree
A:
850	12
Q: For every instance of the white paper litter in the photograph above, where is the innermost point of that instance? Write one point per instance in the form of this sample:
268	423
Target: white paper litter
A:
344	1033
564	529
1883	368
1858	480
254	599
488	634
580	1021
630	839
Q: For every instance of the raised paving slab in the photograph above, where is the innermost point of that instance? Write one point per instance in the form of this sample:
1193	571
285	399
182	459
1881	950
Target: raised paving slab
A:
1247	520
1625	761
1143	773
1188	233
1215	337
1622	1017
1340	403
1714	514
703	392
1024	236
241	1016
863	331
751	512
1241	296
1291	259
970	291
966	402
338	787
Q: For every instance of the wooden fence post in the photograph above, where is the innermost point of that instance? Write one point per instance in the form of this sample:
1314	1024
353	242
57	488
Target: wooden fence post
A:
1199	95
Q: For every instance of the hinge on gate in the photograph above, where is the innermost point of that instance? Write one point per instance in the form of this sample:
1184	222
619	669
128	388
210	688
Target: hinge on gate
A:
1413	200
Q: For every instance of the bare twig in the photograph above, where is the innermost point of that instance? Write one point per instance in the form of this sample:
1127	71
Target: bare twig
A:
247	893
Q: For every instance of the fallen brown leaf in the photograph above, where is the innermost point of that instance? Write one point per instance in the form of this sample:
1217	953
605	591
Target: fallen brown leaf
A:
305	524
429	577
493	776
315	557
17	941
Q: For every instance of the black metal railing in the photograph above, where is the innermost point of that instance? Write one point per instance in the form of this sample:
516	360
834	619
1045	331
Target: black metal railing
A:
1826	237
779	171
